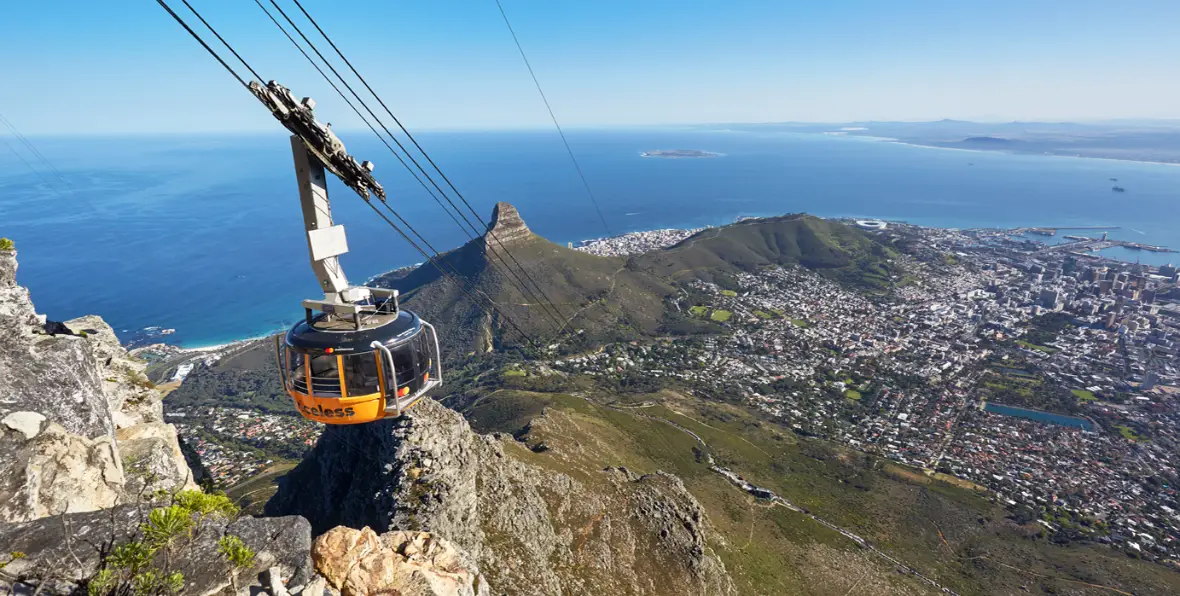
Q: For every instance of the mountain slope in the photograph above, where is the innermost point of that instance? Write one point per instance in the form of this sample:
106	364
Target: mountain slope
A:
599	299
597	294
834	249
615	298
533	527
952	535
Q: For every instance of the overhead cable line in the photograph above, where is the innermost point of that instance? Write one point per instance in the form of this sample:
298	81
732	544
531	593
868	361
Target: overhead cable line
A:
223	42
37	153
524	290
311	45
30	166
547	307
400	160
476	302
552	304
201	41
355	109
553	117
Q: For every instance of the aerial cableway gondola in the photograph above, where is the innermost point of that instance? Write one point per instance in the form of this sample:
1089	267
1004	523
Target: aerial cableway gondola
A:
357	356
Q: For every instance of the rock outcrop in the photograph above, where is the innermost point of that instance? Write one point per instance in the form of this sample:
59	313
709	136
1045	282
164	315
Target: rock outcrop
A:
530	528
416	472
81	428
62	552
507	228
359	562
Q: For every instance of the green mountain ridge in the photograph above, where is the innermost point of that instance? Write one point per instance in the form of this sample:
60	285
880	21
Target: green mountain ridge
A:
618	298
598	299
837	250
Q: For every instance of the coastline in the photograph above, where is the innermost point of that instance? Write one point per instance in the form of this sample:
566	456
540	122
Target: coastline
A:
1010	152
582	245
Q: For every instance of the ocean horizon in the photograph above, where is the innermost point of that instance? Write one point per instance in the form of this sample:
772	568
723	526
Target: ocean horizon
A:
202	234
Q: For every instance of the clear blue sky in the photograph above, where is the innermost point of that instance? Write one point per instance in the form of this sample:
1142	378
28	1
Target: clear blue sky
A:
81	66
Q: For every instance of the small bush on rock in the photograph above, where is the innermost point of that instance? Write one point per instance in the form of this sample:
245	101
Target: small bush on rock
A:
143	567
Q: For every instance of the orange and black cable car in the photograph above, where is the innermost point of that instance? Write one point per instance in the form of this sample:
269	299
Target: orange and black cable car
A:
337	373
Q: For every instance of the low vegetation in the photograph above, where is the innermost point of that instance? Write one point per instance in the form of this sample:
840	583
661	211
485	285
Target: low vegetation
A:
1128	433
1046	349
144	566
940	525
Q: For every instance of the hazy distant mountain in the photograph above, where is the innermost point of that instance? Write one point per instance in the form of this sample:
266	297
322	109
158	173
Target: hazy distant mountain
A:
1136	140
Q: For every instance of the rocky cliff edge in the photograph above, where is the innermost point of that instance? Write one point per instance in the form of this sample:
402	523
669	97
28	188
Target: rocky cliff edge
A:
81	428
84	451
531	527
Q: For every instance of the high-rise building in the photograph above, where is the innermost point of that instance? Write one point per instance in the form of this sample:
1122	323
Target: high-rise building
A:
1111	319
1168	270
1049	298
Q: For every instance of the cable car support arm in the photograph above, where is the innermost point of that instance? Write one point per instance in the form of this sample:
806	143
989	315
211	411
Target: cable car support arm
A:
316	148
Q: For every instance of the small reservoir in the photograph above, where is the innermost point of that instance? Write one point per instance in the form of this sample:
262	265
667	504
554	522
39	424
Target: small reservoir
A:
1039	416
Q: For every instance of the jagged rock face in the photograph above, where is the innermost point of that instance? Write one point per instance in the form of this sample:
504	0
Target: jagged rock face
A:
73	407
56	376
130	397
359	562
55	472
62	551
506	228
531	529
412	473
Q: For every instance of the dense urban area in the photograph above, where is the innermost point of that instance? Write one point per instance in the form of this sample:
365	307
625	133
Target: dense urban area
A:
1039	374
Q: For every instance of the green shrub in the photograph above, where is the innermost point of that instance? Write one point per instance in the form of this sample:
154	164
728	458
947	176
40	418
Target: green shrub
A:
12	556
237	554
203	504
144	567
132	556
166	524
152	582
235	551
7	245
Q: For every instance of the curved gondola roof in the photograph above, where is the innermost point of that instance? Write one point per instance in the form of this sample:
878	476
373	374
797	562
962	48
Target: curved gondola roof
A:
325	333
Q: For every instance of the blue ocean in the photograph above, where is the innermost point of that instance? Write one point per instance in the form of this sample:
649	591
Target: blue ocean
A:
202	234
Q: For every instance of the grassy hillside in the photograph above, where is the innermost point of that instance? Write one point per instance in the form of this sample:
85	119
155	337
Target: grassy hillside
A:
247	378
597	294
612	298
597	299
946	532
834	249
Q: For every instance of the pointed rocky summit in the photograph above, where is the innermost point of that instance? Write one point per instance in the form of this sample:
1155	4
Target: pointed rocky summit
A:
507	227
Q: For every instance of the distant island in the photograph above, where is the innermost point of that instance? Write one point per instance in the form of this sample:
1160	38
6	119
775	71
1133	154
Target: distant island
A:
1131	140
678	153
